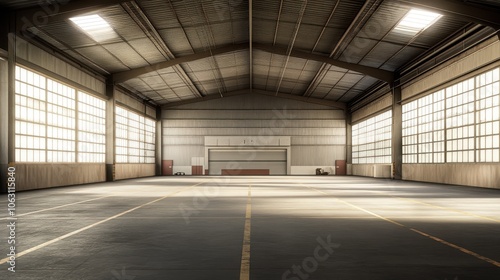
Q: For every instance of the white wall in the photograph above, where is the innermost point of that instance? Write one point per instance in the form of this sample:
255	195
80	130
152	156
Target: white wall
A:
317	133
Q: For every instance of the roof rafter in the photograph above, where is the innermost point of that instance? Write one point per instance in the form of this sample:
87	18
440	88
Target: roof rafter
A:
380	74
130	74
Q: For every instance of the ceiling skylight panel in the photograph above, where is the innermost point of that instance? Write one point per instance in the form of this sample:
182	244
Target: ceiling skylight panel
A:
416	21
96	27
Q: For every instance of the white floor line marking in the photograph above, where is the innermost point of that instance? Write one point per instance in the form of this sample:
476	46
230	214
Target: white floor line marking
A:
444	242
25	252
245	254
440	207
57	207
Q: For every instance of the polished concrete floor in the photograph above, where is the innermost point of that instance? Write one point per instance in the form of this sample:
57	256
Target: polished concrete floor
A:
259	228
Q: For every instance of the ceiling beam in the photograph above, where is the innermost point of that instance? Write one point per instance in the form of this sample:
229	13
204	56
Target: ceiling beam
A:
47	13
324	102
386	76
459	9
134	73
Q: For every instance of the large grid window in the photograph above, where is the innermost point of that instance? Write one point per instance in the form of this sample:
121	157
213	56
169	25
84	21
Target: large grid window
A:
61	122
50	121
459	124
91	128
487	117
372	140
423	135
135	137
31	114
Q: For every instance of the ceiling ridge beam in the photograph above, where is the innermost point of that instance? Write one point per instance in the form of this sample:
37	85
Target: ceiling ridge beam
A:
483	16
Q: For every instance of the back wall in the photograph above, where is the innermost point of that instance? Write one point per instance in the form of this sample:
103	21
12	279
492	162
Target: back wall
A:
317	133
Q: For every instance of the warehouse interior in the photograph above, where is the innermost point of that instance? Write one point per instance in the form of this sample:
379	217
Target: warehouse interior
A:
152	104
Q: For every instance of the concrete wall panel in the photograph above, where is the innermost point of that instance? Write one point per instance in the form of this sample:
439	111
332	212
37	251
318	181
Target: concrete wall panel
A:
382	104
41	176
128	171
477	175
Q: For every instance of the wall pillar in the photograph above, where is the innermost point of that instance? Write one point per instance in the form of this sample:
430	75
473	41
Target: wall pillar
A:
397	131
349	143
159	142
4	123
110	132
7	110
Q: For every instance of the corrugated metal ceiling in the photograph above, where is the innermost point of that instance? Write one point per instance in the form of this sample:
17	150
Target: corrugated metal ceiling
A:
156	31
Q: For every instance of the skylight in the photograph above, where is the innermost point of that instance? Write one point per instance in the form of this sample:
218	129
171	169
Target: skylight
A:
416	21
96	27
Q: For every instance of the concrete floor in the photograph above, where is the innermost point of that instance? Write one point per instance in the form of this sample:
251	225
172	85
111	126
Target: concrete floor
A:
292	228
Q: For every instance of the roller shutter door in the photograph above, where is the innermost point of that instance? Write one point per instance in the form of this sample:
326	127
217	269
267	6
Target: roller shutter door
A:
248	162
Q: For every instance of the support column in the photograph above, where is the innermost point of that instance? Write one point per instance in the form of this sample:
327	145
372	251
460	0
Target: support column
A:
4	123
348	122
7	110
397	131
159	142
110	132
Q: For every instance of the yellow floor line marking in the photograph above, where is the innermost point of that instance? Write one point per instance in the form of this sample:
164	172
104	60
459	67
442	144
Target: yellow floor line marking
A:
469	252
461	249
56	207
441	207
245	253
25	252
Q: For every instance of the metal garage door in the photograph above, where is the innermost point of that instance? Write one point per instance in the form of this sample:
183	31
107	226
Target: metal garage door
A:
247	162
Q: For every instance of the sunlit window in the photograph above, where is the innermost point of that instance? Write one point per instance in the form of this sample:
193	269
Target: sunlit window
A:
51	125
31	113
371	140
92	128
488	117
459	124
135	137
61	122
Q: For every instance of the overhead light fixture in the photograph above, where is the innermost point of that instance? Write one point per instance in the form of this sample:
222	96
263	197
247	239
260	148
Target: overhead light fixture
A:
96	27
416	21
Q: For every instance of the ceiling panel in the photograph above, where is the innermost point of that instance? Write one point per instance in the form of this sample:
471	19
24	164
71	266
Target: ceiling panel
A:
104	58
147	50
187	27
125	53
